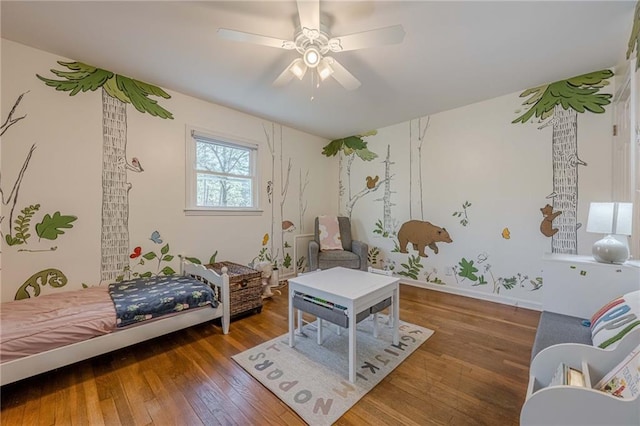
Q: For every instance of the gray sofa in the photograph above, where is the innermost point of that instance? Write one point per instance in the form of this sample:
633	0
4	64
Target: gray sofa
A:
556	328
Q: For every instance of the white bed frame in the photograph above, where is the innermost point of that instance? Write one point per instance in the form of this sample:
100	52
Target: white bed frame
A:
32	365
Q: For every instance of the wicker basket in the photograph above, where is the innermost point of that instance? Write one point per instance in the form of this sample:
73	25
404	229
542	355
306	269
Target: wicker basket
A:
245	287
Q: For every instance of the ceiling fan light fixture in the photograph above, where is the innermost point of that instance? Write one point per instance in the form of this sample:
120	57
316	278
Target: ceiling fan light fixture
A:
298	68
311	57
324	70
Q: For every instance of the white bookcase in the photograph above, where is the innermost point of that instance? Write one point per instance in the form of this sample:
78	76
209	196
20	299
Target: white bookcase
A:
571	405
579	286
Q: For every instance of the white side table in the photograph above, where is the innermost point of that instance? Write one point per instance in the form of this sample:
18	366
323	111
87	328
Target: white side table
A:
579	286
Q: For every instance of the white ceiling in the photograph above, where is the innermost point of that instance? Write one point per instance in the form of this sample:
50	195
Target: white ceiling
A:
454	53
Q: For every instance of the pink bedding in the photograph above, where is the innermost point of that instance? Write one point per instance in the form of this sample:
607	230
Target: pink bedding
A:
47	322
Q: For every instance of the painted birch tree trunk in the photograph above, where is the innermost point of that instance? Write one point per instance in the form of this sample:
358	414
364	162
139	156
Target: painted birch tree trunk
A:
115	189
565	179
386	199
410	170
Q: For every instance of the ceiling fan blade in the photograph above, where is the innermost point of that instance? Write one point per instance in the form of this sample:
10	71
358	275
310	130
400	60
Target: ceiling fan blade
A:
234	35
342	76
388	35
309	12
283	79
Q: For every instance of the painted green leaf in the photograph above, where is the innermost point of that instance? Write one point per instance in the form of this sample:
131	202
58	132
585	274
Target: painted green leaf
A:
167	270
349	145
287	261
51	226
138	93
112	89
509	283
366	155
579	93
150	89
82	78
150	255
11	240
467	270
354	142
53	277
165	249
332	148
212	259
167	258
146	274
194	260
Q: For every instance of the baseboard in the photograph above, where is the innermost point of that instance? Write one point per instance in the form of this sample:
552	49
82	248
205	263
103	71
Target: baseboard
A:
505	300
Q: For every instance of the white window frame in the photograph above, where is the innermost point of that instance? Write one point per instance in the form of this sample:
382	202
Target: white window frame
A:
193	134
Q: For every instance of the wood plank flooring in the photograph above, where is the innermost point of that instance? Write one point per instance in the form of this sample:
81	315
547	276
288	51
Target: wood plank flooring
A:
472	371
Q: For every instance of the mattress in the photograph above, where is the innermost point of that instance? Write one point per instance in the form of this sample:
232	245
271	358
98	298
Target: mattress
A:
47	322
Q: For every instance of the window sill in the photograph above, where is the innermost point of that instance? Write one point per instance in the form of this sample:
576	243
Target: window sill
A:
222	212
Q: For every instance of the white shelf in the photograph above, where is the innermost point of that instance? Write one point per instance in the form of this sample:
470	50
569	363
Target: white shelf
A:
578	285
571	405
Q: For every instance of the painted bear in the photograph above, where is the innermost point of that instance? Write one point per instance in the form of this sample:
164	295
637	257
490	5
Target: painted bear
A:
421	234
546	227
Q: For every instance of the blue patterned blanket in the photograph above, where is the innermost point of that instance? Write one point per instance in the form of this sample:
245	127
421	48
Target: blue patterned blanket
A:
146	298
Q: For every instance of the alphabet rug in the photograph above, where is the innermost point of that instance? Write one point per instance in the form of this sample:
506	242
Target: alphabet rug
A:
314	380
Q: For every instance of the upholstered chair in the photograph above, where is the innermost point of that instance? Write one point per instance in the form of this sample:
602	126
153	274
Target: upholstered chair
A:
353	255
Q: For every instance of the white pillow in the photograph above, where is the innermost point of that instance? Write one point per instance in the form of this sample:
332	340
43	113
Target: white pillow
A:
615	319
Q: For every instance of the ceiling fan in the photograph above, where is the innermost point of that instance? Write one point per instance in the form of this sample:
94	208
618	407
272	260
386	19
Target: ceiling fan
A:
314	41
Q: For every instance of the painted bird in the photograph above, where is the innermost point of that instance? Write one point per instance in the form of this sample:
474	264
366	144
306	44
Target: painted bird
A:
135	165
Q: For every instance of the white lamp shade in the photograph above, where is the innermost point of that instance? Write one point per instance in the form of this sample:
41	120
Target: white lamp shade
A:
623	224
324	69
298	68
610	218
600	218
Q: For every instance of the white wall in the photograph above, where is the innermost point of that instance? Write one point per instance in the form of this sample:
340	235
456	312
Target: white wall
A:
64	175
504	170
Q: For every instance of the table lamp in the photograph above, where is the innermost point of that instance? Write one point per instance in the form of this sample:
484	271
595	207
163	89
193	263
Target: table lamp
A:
614	220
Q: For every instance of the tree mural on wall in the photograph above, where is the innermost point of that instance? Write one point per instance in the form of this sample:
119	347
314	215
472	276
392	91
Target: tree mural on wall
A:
352	147
558	104
302	202
117	92
422	130
389	225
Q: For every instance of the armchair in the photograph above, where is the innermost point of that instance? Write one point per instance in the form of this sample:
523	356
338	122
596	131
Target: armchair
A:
353	256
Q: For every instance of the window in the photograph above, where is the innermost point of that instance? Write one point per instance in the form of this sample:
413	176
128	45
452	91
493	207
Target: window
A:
221	173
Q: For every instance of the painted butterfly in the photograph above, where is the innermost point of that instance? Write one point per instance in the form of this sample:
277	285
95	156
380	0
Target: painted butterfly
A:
155	237
136	252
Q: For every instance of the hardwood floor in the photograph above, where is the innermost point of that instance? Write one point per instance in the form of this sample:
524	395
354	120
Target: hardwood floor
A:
472	371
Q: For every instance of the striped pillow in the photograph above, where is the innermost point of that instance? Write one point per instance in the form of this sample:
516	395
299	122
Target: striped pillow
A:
614	320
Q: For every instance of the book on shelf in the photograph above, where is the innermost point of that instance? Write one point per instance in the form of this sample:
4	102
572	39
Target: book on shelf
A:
623	381
566	375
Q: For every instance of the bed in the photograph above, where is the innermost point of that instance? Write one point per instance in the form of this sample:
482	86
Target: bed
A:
111	336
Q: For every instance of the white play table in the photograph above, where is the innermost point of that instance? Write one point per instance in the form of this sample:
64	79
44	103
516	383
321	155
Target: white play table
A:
354	289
